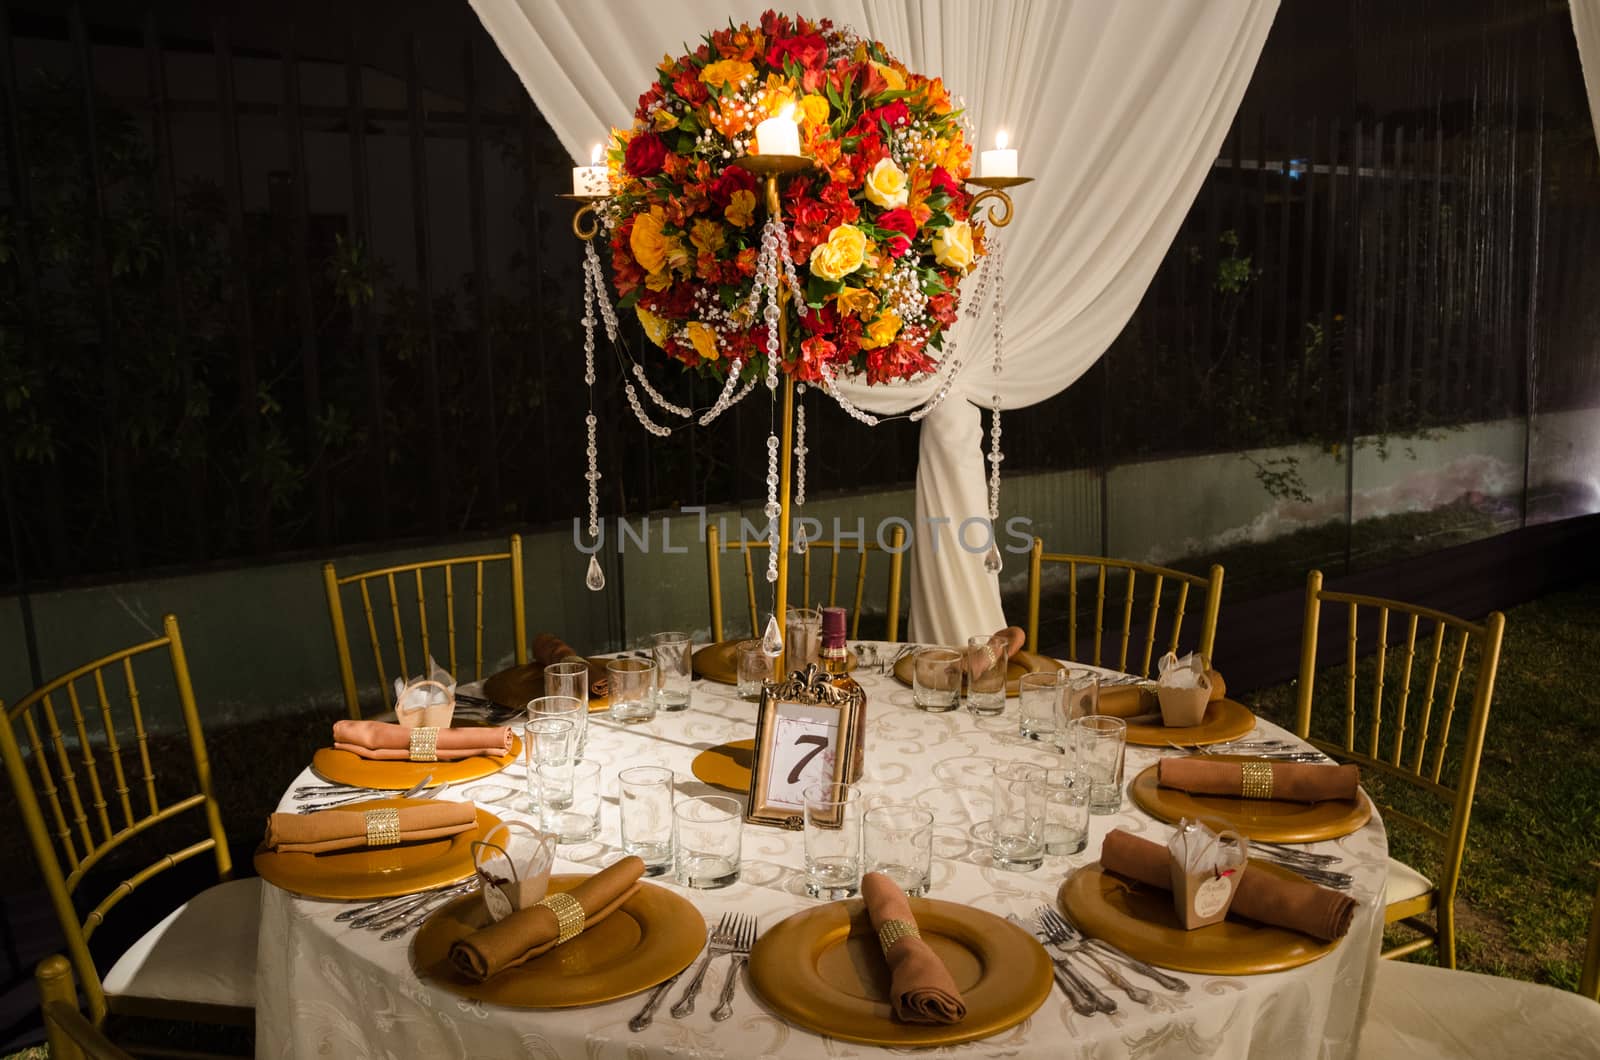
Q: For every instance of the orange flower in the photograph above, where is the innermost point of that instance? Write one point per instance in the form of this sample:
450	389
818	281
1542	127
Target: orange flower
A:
741	208
814	110
727	72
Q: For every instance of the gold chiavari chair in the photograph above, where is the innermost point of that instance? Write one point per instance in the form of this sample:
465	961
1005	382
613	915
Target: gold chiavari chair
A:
1589	982
86	777
408	580
1375	736
1147	601
801	569
69	1034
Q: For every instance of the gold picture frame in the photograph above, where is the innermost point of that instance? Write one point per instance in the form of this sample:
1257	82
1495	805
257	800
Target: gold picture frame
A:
772	799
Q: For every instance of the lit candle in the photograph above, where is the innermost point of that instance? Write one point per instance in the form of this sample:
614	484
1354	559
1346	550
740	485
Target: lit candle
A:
999	162
780	135
592	179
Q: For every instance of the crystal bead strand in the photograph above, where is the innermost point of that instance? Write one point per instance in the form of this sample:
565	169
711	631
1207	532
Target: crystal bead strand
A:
773	510
726	398
594	577
979	293
832	388
661	402
992	562
801	545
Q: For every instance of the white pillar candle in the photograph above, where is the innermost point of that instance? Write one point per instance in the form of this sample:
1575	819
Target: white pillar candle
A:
592	179
999	162
780	135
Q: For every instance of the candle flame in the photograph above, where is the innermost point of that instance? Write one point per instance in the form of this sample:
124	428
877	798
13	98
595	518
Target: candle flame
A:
594	156
1000	140
787	113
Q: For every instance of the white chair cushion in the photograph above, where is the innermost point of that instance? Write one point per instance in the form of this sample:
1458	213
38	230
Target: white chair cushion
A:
203	953
1420	1012
1404	882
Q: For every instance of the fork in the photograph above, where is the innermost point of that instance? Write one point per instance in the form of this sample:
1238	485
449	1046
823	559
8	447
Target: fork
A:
723	940
1326	877
416	792
1171	982
1093	995
1059	933
746	938
1283	850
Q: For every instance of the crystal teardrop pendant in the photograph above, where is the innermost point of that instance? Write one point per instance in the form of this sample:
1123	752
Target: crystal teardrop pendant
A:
772	640
596	578
992	562
801	545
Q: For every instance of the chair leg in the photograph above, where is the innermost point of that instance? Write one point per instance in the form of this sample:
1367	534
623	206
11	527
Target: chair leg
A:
1447	935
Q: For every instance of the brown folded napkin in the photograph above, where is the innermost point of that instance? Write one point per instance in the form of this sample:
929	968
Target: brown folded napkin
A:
549	648
1291	781
920	987
327	830
527	933
1294	904
388	742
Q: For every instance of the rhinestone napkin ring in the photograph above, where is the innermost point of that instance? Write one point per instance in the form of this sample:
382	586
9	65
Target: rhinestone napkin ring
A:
569	915
892	931
1255	780
424	744
383	828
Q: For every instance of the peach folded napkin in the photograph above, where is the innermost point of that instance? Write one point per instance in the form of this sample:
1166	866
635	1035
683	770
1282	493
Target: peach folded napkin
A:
529	932
920	987
329	830
549	648
1294	904
388	742
1291	781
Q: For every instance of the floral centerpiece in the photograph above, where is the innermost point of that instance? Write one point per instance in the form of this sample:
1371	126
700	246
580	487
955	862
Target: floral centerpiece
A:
878	228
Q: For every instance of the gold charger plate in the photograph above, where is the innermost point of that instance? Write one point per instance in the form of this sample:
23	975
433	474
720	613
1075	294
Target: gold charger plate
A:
650	939
1141	921
1224	720
726	766
513	688
720	662
1274	820
343	767
376	872
1023	662
823	970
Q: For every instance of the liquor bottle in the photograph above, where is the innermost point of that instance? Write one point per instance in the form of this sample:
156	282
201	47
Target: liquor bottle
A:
835	656
836	661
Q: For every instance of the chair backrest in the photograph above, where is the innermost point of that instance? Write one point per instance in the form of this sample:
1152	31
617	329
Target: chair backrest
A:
1162	585
98	790
410	580
834	549
71	1037
1391	734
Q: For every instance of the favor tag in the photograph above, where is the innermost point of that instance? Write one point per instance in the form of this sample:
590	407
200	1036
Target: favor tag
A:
1213	896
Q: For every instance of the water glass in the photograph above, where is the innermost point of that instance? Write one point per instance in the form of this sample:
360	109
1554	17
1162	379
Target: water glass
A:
833	840
567	709
547	740
1100	742
706	837
1018	822
1081	696
1039	698
673	657
899	843
644	800
986	691
756	668
1066	811
802	638
579	820
570	678
936	679
633	689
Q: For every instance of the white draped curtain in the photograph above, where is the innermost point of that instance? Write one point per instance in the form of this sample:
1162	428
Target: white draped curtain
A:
1586	27
1118	109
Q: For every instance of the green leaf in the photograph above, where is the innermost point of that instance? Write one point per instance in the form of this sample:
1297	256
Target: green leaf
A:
627	301
685	144
818	289
729	295
892	94
932	283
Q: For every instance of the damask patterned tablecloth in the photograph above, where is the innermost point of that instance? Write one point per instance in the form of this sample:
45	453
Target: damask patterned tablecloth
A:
329	991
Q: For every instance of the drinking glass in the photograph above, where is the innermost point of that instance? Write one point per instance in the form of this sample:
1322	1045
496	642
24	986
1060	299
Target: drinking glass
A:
633	689
1099	742
547	740
1039	697
1066	811
570	678
802	638
936	679
1018	821
673	656
644	801
706	836
579	820
986	692
899	844
566	709
756	668
833	840
1081	696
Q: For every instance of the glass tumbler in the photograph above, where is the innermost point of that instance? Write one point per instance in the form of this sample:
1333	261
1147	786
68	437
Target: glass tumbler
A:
936	679
756	668
570	677
673	656
547	740
1100	743
802	638
644	800
633	689
1081	696
1066	811
833	840
1018	821
579	820
571	711
898	841
706	837
986	691
1039	703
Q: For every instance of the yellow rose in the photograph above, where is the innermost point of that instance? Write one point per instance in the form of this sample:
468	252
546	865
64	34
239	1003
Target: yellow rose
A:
895	79
886	184
706	235
648	242
704	339
655	329
882	331
726	72
952	246
814	110
857	300
741	208
841	255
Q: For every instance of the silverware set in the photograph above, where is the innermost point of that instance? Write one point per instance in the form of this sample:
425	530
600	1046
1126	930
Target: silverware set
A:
1314	867
397	916
419	790
735	934
1064	942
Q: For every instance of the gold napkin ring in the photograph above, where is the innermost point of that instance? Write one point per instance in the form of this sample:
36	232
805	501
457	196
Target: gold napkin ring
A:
1255	781
425	744
383	828
892	931
569	915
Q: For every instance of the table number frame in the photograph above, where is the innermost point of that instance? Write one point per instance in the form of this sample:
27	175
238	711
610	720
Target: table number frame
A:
760	806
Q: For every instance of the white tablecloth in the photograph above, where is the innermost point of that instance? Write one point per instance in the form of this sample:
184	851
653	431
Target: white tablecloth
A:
329	991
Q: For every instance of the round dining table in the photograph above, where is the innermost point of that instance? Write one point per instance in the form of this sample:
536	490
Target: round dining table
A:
325	989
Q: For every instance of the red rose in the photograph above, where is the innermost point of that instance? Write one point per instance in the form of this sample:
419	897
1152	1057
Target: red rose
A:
893	114
941	180
645	156
809	50
901	221
821	321
732	179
